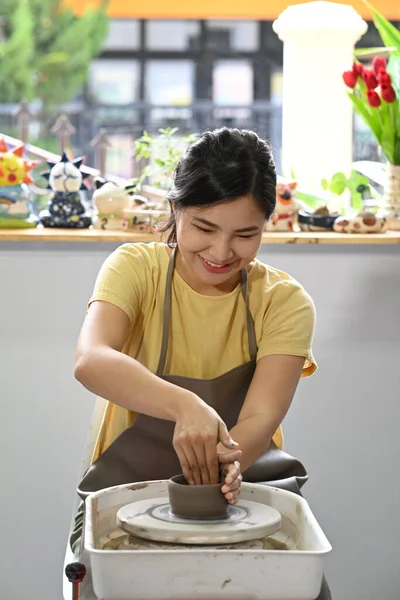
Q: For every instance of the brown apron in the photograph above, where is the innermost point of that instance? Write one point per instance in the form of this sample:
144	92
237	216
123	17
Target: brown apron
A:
144	451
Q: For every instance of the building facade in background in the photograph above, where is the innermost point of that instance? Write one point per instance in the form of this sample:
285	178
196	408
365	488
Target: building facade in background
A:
196	66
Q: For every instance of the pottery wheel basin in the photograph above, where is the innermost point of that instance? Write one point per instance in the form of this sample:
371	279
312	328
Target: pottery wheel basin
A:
152	519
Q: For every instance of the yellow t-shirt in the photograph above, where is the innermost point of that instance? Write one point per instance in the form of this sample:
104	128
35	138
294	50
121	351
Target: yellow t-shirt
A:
208	334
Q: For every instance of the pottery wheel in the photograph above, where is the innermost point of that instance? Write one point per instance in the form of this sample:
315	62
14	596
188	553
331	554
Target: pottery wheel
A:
152	520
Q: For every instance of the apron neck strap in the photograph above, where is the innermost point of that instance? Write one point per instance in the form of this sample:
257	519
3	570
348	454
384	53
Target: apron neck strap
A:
251	334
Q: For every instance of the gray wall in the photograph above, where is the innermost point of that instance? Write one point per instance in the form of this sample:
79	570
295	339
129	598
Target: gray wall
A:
344	423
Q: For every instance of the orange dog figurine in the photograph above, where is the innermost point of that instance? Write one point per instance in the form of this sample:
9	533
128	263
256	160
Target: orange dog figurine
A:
286	208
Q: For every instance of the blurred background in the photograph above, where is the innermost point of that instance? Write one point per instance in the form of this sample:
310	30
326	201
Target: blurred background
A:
121	67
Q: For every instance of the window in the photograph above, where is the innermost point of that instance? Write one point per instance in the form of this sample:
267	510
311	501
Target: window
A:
119	155
123	34
276	87
169	82
172	35
233	83
233	35
114	81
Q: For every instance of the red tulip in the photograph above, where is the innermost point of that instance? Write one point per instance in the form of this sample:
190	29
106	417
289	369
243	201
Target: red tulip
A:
378	63
388	93
373	99
350	79
384	78
369	79
358	69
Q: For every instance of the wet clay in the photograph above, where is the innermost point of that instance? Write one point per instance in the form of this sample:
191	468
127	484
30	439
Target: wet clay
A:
200	502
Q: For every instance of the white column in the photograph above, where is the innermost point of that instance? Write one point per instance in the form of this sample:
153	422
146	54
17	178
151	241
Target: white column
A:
319	40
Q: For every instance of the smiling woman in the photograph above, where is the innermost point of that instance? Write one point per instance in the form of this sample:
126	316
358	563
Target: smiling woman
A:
197	345
223	192
219	241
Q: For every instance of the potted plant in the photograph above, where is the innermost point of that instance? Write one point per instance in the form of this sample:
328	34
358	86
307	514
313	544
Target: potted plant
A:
322	214
160	155
375	94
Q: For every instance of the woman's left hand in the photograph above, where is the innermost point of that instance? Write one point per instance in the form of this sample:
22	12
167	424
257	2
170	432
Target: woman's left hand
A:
230	467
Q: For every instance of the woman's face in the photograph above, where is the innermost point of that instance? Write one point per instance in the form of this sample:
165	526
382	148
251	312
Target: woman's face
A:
215	242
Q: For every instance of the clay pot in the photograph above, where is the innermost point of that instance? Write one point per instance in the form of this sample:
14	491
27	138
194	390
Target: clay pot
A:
200	502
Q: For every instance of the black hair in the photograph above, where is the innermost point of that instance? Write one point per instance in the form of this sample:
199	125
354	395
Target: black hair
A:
221	166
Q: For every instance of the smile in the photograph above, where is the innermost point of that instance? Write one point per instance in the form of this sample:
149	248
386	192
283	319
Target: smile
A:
214	267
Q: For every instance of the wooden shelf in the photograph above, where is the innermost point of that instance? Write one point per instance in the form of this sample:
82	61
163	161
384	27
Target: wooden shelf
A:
95	235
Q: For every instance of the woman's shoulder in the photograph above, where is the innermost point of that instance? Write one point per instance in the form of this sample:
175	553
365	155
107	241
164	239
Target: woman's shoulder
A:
140	256
130	274
271	285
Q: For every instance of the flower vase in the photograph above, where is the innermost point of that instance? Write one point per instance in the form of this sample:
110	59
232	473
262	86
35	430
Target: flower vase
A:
391	198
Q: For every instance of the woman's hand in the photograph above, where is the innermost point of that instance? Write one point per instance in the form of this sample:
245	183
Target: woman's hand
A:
197	432
230	468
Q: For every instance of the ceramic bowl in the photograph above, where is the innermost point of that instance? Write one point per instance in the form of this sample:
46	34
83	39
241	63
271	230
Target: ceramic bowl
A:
200	502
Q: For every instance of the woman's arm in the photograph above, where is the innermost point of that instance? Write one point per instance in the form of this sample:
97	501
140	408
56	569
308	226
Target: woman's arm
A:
268	399
105	371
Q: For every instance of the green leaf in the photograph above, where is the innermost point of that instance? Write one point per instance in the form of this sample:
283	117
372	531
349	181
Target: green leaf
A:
388	137
309	199
337	187
16	55
393	69
389	33
49	60
372	51
338	183
357	201
355	182
324	184
160	162
339	177
369	118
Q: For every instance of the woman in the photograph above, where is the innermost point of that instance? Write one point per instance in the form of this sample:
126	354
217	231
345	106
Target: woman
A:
198	346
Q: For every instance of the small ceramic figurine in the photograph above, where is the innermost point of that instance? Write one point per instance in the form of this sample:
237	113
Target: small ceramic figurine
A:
363	222
16	198
110	202
65	207
286	208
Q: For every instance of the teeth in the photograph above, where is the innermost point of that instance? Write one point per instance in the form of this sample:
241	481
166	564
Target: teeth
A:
213	264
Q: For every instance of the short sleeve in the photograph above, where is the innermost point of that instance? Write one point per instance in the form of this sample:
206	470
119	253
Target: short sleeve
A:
121	280
288	325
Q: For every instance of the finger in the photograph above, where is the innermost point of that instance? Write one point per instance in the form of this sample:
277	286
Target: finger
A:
211	454
230	457
234	483
232	487
184	464
225	438
233	497
202	459
197	461
233	472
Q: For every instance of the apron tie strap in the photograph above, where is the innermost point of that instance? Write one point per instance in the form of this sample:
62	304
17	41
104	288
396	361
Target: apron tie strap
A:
251	334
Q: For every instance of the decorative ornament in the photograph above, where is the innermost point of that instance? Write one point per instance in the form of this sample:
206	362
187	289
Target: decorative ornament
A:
16	198
65	208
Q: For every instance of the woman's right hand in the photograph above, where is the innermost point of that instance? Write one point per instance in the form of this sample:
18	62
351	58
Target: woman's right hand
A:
198	430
